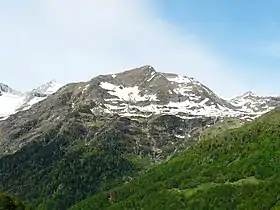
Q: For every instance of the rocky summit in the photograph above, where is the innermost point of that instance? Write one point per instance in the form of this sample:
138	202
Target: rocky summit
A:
252	103
143	92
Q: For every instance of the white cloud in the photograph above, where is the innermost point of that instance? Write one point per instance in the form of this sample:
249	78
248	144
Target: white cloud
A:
75	40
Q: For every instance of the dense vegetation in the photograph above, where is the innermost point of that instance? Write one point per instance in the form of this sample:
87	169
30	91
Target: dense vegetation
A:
239	169
236	169
64	171
9	203
85	155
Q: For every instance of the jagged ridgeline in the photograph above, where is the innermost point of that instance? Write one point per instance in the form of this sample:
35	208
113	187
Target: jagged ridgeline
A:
144	91
85	139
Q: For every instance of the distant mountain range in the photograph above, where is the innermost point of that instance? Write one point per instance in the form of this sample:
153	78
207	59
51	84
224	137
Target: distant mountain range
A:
12	101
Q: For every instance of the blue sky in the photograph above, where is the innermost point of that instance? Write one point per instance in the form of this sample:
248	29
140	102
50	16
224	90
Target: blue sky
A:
244	33
231	46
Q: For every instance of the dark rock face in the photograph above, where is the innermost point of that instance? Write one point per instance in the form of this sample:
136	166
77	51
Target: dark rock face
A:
6	89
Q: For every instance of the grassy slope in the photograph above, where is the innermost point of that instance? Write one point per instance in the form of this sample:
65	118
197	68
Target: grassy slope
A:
239	169
227	124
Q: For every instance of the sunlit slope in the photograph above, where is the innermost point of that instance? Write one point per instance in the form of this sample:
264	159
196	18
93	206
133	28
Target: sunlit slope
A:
238	169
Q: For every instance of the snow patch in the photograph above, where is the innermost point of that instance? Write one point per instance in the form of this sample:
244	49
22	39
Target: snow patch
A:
180	136
179	79
12	102
49	88
131	94
85	88
152	77
9	103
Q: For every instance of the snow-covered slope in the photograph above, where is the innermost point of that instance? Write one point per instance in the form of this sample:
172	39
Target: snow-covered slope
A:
252	103
12	101
48	88
9	103
39	94
144	92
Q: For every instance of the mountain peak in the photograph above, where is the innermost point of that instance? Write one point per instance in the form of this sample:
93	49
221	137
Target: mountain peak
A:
48	88
249	94
245	96
250	102
4	88
147	69
53	81
12	101
131	77
143	91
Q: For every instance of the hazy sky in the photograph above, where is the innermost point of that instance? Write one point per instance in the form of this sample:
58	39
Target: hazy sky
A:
232	46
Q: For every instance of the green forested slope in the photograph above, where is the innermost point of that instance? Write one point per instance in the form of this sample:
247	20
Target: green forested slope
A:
239	169
86	154
9	203
58	174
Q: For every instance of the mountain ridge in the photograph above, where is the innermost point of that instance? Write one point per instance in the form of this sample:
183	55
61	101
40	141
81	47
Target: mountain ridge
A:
91	136
147	91
144	91
168	91
12	101
137	93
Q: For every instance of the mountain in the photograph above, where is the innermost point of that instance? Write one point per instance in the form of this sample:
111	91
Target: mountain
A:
6	89
89	137
39	94
137	93
12	101
238	169
250	102
144	92
47	88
